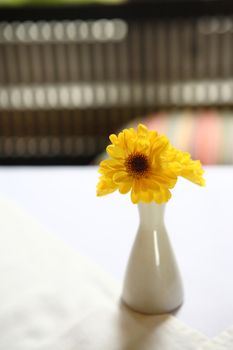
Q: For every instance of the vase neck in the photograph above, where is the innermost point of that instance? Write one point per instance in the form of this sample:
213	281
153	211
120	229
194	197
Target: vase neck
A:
151	214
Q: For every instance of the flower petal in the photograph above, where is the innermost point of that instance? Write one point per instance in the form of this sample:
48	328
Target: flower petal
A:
125	187
113	138
105	186
142	130
134	197
115	152
121	176
146	196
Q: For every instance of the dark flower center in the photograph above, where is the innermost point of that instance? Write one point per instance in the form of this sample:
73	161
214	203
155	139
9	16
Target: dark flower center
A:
137	164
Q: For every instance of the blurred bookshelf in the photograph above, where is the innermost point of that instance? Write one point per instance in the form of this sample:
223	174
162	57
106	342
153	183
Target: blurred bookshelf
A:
71	75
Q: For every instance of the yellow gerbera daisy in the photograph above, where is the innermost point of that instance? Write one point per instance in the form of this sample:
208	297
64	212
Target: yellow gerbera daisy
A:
147	164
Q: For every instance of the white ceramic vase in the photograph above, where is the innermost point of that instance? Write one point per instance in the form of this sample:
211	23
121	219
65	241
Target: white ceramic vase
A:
152	282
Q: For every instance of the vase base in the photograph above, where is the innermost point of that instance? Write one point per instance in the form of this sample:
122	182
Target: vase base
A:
147	311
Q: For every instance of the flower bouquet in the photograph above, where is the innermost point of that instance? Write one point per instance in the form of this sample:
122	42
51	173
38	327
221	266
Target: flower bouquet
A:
145	164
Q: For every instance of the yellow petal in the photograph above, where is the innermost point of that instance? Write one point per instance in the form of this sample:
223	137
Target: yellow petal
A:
111	164
143	146
125	187
137	185
113	138
134	197
142	129
104	187
146	197
115	152
121	176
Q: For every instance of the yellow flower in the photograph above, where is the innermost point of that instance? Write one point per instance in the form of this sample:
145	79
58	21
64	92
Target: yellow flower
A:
145	163
187	168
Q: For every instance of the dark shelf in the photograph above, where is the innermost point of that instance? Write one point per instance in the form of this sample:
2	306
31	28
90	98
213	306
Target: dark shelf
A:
45	161
129	10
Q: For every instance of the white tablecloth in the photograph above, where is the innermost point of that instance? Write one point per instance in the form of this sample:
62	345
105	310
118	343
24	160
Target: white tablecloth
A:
51	298
199	223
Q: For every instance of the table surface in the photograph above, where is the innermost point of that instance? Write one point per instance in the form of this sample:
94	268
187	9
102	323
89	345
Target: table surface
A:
199	223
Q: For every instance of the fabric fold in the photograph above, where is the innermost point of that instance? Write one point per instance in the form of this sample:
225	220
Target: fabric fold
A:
53	298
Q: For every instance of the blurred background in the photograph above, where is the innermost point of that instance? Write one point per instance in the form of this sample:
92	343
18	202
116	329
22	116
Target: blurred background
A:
72	72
